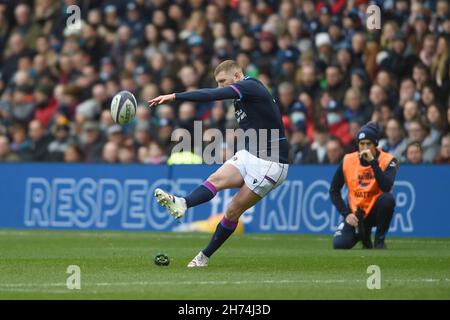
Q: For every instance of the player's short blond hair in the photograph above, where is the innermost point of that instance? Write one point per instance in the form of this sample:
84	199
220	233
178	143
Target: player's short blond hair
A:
226	66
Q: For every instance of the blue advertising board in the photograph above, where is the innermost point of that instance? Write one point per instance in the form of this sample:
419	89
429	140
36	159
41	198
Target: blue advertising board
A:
119	197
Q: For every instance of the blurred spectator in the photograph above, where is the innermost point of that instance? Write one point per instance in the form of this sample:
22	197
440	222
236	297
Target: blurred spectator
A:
20	143
39	141
414	153
92	141
436	120
73	154
126	155
45	104
327	71
411	113
418	132
110	153
444	152
399	61
354	108
301	148
142	136
6	155
115	134
319	145
62	139
395	142
154	154
335	151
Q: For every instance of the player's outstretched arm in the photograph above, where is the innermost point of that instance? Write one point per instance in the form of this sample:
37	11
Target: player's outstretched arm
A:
161	99
201	95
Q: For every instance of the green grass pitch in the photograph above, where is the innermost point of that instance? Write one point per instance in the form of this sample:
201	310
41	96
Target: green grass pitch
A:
119	265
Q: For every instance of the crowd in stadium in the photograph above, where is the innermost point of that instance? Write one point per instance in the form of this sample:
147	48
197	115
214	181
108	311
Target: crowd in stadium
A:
329	74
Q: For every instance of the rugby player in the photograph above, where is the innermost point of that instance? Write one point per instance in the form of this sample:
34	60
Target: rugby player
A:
255	174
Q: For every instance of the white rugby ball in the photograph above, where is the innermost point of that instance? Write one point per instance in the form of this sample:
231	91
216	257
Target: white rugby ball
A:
123	107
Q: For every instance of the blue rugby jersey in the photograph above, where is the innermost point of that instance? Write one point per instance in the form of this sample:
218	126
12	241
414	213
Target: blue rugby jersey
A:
255	108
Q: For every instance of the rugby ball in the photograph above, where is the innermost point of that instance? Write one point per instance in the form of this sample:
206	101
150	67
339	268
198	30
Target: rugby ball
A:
123	107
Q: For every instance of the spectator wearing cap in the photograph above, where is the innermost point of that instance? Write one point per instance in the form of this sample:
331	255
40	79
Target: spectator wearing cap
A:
324	50
368	170
135	20
286	54
267	46
62	138
335	122
115	134
45	104
39	141
92	141
324	18
288	67
111	18
197	48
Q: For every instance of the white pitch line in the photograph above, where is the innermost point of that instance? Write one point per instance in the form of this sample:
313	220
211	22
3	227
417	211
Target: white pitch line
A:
215	282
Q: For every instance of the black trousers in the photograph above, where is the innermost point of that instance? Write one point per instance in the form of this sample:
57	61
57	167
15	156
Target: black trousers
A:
380	217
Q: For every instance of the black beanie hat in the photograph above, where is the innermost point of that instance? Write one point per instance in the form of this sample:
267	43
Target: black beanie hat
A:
370	132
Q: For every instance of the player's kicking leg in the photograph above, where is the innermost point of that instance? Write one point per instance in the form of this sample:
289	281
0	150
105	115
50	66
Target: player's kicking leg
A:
260	177
243	200
227	176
